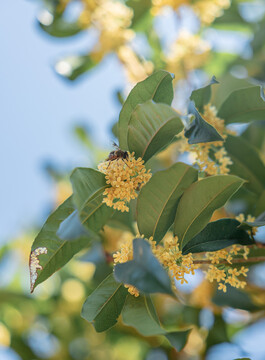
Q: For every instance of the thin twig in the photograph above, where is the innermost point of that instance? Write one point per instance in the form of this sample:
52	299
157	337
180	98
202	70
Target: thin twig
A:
234	261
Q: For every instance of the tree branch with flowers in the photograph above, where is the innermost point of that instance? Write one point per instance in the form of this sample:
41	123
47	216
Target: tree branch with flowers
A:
174	218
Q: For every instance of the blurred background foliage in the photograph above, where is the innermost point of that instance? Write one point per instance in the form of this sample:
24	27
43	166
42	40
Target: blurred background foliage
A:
193	40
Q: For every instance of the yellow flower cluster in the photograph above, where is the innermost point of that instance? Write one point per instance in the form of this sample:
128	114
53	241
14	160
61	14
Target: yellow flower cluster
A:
126	254
187	53
168	255
112	20
206	10
223	273
125	177
172	259
249	218
201	151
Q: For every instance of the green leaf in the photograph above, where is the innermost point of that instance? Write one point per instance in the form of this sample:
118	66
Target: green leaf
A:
218	333
122	220
103	307
141	314
246	163
59	251
243	105
216	236
71	228
140	9
157	87
71	67
260	205
158	200
234	298
151	127
202	96
59	27
199	202
200	131
144	271
259	221
88	187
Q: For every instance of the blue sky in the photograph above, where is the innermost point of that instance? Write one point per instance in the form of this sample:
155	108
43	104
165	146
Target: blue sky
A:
38	110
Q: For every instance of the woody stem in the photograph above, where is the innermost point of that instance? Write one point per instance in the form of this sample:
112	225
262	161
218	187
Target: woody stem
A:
234	261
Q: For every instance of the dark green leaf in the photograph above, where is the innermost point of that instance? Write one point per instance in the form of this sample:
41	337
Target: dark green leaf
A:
202	96
246	163
199	202
103	307
151	127
141	314
218	235
122	220
260	205
218	333
157	87
255	134
144	271
73	66
59	251
88	187
158	200
243	105
199	131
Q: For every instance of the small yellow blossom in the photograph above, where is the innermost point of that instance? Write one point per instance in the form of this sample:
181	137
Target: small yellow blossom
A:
187	53
201	152
125	177
241	218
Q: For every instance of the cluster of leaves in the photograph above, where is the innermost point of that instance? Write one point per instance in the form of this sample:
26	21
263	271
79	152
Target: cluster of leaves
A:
174	199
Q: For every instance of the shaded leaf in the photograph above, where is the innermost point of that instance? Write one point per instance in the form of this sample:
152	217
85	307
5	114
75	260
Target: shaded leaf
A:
200	131
246	163
199	202
141	314
71	67
158	200
59	251
157	87
88	187
218	333
216	236
234	298
71	228
202	96
243	105
151	127
144	271
103	307
260	204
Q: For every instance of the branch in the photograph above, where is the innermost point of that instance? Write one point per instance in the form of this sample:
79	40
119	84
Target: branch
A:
234	261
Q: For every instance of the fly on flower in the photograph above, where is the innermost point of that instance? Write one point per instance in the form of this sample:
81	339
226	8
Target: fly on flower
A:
117	154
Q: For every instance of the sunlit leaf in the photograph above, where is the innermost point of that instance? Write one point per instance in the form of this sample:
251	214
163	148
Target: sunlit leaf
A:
103	307
144	271
243	105
151	127
199	202
200	131
217	235
88	187
158	200
157	87
58	251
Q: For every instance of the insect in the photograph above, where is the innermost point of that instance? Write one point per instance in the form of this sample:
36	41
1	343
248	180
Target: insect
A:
117	154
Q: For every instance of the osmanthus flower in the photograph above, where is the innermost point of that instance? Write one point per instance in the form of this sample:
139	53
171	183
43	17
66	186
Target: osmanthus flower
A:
221	270
188	52
125	177
206	10
219	161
